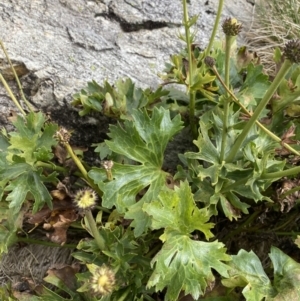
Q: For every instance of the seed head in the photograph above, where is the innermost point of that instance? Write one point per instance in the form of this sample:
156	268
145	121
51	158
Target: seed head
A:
107	164
209	61
103	279
231	27
292	51
63	136
85	198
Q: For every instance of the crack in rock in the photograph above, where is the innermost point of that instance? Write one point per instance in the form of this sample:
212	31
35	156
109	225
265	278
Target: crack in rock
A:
148	25
132	27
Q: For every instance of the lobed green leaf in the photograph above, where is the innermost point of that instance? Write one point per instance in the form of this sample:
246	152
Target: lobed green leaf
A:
143	140
186	265
176	211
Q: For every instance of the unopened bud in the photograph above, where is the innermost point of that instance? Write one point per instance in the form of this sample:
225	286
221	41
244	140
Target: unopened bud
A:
231	27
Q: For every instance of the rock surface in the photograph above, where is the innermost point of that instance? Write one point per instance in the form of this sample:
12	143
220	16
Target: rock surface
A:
60	45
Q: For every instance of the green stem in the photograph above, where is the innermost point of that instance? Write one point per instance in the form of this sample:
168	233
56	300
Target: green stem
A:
190	71
82	169
188	41
108	165
109	175
280	174
267	176
93	228
216	25
262	127
272	89
51	166
16	77
238	183
77	161
192	115
228	43
10	93
125	294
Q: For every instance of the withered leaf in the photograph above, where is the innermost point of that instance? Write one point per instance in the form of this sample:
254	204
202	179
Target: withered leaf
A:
66	273
60	224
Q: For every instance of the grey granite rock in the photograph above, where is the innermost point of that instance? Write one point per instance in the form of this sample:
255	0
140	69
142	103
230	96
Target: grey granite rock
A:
60	45
65	43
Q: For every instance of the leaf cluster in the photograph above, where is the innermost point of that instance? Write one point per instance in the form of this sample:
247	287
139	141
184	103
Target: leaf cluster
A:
154	233
118	100
22	178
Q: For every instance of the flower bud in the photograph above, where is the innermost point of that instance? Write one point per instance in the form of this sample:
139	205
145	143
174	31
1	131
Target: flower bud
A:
209	61
292	51
231	27
63	136
107	164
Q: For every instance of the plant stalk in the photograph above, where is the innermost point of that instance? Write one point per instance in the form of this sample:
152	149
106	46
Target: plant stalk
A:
216	25
192	115
51	166
190	71
287	64
11	95
228	43
265	176
238	183
95	232
16	78
280	174
262	127
82	168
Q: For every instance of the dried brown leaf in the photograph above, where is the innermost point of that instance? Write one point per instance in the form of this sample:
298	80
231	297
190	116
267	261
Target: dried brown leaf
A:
66	273
60	153
60	224
286	137
288	200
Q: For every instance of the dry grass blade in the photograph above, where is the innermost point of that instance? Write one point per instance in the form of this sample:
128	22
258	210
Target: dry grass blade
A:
275	22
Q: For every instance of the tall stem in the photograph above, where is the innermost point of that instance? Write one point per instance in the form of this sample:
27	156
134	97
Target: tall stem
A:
93	228
16	77
228	43
280	174
82	168
265	176
77	161
262	127
10	93
192	114
272	89
190	71
216	25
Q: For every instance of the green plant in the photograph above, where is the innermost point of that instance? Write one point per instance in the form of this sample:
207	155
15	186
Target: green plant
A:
156	233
